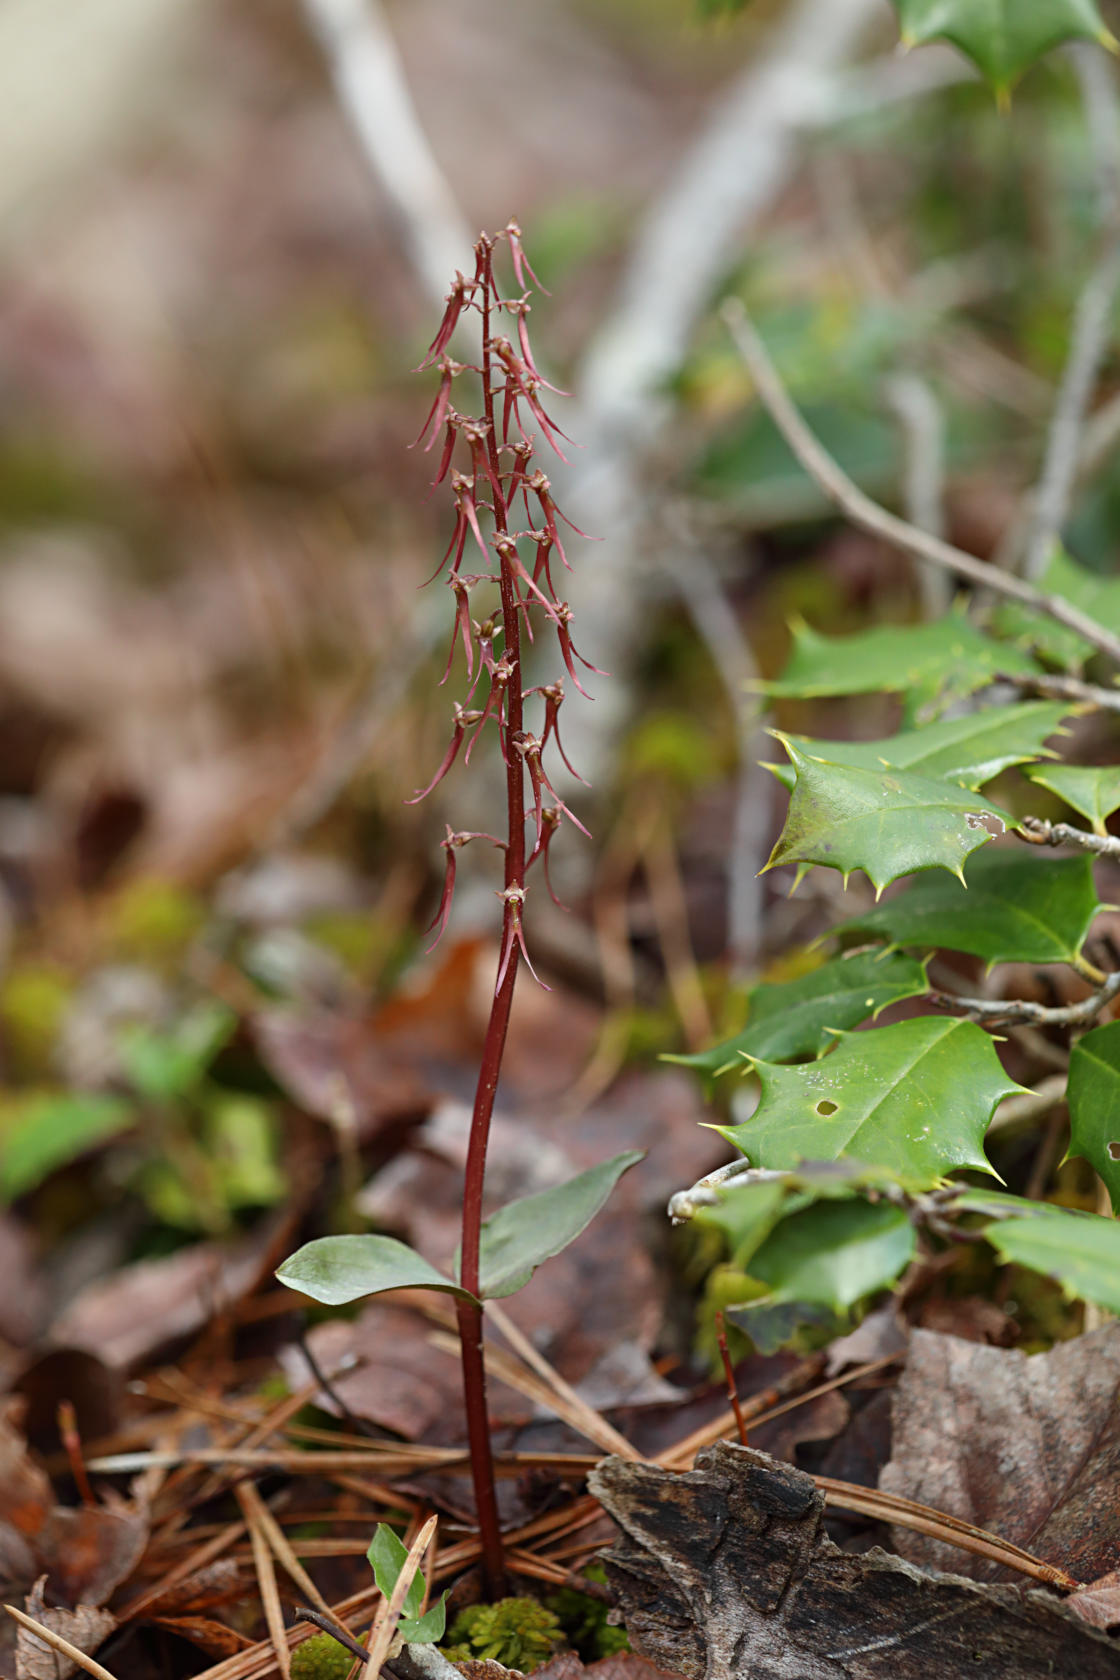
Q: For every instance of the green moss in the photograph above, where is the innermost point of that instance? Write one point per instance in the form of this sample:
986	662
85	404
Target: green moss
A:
321	1658
584	1620
517	1632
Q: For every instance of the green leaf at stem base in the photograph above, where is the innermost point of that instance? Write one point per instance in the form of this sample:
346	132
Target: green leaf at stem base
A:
1012	907
336	1270
916	1097
887	823
524	1233
387	1556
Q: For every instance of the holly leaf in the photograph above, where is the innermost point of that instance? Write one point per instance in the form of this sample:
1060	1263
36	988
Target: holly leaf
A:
1081	1251
835	1252
1092	792
1093	1096
1094	593
336	1270
887	823
800	1017
967	750
1001	37
949	658
387	1556
917	1096
1011	907
534	1228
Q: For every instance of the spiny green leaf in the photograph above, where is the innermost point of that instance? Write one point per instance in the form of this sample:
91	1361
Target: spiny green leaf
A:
746	1214
387	1555
1001	37
534	1228
887	823
1094	1104
949	657
44	1130
1094	593
800	1017
917	1097
1094	792
967	750
1013	907
835	1252
336	1270
1081	1251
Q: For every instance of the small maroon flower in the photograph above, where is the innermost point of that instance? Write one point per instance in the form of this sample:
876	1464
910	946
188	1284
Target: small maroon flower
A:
513	934
462	290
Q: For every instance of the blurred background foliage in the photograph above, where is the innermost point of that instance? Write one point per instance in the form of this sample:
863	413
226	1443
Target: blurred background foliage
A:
212	531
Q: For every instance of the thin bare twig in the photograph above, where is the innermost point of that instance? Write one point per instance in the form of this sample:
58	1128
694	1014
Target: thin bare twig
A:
1052	687
371	88
1092	320
923	482
1038	832
1007	1011
850	499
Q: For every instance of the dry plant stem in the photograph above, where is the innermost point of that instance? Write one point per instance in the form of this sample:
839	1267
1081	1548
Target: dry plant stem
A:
862	511
1038	832
729	1373
57	1643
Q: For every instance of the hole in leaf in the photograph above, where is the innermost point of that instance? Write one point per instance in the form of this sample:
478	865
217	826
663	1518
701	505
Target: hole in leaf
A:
1114	1151
825	1107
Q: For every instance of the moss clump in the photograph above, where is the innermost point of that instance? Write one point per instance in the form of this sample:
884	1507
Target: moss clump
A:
584	1620
321	1658
517	1632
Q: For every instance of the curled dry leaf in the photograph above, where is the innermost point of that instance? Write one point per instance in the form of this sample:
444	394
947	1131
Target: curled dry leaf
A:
1099	1602
1028	1447
85	1628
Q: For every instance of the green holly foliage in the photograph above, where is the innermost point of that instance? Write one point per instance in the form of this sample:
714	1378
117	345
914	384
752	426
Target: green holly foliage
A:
1080	1251
800	1017
1092	792
887	823
1010	907
917	1097
1096	595
835	1254
928	663
1001	37
968	750
1093	1095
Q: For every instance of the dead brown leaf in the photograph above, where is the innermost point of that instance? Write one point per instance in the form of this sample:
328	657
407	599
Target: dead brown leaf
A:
86	1628
1028	1447
1099	1602
213	1637
625	1665
126	1316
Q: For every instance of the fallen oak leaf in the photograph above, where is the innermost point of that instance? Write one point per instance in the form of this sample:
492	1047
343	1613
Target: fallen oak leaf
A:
46	1632
1028	1447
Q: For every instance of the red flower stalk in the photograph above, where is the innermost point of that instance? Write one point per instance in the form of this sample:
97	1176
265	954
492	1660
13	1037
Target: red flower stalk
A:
483	491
